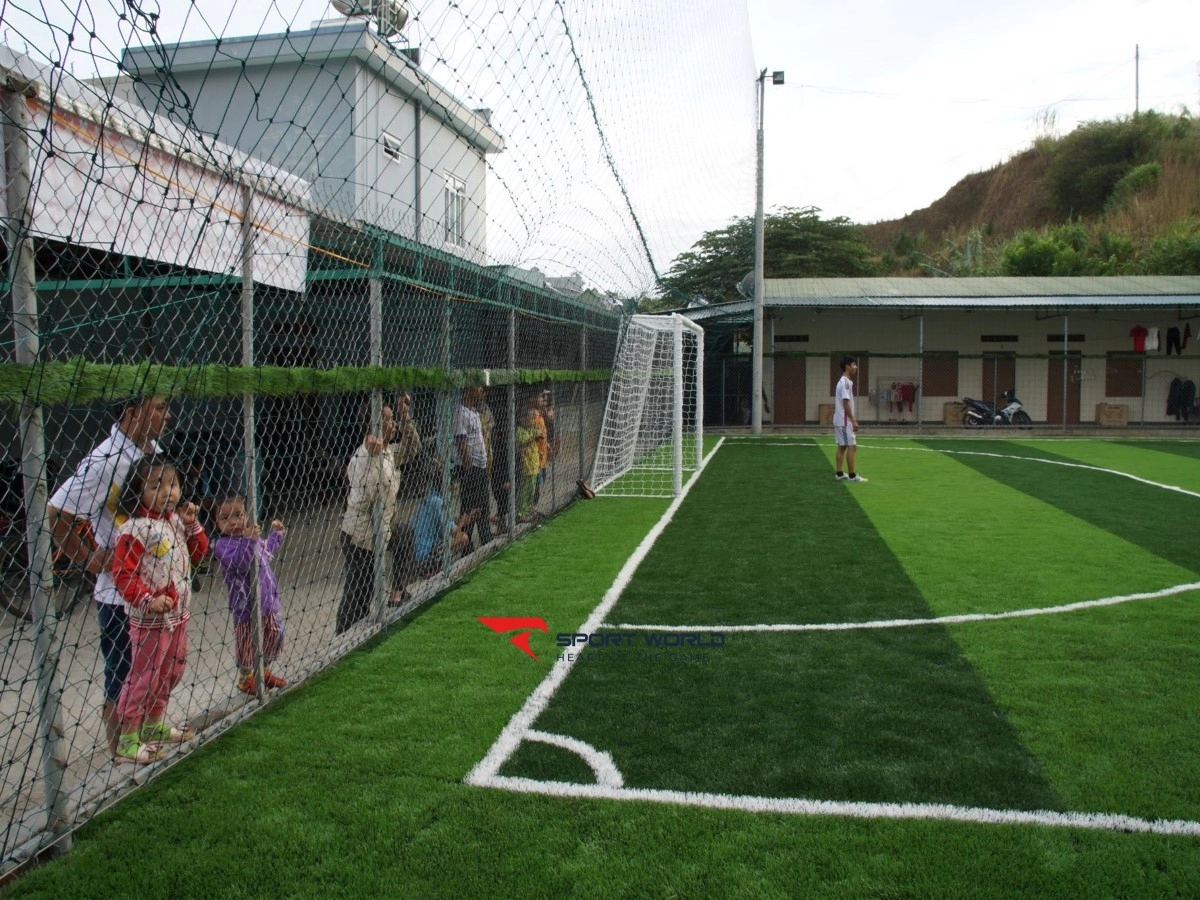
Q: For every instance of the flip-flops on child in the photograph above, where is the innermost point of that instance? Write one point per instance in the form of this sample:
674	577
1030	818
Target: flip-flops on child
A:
131	752
161	732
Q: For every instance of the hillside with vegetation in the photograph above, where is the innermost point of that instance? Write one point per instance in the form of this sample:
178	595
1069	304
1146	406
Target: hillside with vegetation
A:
1118	197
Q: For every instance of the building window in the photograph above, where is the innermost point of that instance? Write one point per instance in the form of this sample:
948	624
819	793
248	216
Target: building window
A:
1123	374
456	207
393	149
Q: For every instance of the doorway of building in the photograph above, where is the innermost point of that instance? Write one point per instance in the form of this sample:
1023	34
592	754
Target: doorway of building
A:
1056	399
999	375
790	390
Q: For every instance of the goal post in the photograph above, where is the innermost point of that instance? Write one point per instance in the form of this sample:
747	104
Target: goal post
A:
653	428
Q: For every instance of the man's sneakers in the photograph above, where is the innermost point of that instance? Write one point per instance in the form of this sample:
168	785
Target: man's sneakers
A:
857	478
841	476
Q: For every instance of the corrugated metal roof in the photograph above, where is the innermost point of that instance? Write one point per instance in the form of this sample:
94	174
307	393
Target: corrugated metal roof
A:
966	293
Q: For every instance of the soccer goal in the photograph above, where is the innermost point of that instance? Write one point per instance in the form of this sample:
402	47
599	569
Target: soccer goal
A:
653	429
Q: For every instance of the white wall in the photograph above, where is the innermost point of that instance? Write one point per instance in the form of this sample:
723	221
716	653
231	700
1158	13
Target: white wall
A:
882	332
387	187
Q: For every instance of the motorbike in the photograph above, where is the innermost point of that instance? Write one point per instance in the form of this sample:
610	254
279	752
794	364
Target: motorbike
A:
1010	411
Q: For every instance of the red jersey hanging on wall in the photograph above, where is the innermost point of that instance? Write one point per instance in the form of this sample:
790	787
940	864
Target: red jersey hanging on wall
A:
1138	333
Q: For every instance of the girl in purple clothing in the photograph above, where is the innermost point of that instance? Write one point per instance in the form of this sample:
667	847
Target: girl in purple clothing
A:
240	542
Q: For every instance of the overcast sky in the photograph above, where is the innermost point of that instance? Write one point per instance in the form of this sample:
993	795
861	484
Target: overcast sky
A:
887	105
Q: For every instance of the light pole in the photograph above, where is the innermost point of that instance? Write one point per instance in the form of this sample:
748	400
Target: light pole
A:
756	386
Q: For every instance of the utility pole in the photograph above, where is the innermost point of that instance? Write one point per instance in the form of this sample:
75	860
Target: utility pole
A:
1137	79
756	386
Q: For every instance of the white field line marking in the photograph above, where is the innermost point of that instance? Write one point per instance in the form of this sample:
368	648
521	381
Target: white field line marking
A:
1051	462
600	762
859	810
907	623
522	721
777	444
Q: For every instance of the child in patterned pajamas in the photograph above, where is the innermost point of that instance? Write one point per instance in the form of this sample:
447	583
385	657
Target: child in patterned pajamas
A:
152	569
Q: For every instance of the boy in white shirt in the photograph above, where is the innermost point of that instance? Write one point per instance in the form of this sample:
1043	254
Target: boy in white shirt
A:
845	423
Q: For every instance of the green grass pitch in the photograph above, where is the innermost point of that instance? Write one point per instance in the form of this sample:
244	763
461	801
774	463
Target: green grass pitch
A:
972	670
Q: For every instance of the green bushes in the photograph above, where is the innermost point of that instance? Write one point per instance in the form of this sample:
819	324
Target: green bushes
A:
1090	162
1177	253
1091	178
1137	180
1070	250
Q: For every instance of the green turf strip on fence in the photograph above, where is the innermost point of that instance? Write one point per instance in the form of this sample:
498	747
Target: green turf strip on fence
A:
890	716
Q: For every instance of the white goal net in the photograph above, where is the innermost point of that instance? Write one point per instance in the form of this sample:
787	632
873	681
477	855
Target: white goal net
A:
653	429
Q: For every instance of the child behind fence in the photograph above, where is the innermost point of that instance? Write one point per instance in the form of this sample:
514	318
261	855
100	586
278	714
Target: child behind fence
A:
528	463
239	546
152	568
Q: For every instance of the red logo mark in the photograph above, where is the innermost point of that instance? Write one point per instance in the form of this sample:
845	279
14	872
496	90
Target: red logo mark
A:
502	624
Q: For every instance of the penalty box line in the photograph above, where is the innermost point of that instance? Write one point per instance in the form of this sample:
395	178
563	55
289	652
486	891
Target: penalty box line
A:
855	809
912	623
486	772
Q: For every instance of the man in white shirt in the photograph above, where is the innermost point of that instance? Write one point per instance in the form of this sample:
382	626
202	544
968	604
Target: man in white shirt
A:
84	521
845	423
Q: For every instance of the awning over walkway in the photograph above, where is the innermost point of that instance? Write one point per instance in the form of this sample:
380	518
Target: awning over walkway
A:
1125	292
115	177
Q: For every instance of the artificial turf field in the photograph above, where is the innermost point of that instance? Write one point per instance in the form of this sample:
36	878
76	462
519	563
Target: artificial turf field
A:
976	675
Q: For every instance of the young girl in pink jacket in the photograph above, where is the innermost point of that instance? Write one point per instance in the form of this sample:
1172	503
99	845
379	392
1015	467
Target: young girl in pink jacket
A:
152	567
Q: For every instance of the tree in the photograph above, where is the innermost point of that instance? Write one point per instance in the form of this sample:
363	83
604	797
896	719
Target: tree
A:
797	243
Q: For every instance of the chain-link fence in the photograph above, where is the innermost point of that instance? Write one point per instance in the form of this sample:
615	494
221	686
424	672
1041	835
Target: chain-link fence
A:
327	258
273	387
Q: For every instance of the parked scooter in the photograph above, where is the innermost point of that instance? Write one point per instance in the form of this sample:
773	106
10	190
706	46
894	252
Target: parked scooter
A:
977	413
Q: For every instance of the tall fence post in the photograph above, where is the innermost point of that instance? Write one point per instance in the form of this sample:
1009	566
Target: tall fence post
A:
449	397
511	462
249	444
379	539
23	278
